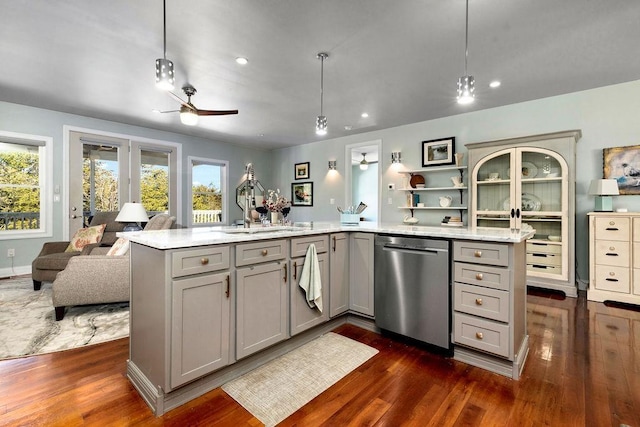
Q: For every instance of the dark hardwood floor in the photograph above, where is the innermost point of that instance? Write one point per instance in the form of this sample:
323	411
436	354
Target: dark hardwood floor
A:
583	370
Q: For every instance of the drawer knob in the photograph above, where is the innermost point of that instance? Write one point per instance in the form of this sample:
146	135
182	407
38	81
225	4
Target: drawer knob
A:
265	252
612	223
479	276
479	335
478	301
204	261
477	254
612	248
611	273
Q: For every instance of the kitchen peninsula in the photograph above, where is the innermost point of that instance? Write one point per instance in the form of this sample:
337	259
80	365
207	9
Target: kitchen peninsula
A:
209	304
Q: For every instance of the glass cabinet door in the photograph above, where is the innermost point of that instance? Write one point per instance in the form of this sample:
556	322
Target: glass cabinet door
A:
493	190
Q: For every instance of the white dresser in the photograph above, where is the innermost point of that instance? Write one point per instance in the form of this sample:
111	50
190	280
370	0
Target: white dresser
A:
614	257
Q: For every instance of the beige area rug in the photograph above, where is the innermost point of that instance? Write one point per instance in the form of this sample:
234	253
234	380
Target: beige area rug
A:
277	389
28	326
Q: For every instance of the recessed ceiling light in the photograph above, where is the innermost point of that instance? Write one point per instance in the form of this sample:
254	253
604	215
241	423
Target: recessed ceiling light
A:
494	84
364	115
348	127
242	61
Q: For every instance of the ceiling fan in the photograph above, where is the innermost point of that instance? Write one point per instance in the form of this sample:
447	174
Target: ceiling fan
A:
189	113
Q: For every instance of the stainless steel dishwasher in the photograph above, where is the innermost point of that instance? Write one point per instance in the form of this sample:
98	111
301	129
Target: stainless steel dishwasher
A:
412	288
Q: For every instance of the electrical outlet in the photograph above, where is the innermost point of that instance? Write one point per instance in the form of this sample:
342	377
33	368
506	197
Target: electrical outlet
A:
11	253
392	186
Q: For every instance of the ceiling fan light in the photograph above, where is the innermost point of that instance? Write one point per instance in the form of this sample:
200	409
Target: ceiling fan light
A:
466	90
364	165
321	125
165	78
188	116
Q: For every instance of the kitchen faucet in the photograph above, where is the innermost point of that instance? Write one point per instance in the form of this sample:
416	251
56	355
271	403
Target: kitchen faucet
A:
249	194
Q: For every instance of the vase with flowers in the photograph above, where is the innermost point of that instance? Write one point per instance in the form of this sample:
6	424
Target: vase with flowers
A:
277	204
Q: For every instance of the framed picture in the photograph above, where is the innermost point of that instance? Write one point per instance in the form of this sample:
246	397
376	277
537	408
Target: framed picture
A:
302	194
301	171
438	152
623	165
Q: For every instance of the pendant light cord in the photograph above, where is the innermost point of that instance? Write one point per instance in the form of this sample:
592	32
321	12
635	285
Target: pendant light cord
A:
321	83
466	40
164	26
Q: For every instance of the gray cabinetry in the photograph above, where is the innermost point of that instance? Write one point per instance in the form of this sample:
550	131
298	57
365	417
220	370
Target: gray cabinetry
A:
489	301
261	296
361	255
339	273
304	317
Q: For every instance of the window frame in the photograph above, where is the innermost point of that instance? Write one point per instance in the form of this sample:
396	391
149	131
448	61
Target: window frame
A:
224	188
45	183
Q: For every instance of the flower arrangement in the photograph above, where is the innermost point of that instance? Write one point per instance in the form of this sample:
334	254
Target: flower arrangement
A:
275	202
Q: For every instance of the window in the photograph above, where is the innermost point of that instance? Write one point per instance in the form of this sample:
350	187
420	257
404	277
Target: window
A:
25	185
208	187
154	181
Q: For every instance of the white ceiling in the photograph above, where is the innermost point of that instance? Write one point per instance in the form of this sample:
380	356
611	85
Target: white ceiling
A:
397	60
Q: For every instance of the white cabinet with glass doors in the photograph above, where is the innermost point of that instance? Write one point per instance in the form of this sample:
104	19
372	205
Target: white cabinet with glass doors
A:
529	182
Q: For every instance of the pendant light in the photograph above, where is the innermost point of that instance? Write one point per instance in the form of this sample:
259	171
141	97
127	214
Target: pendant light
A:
321	120
164	67
466	83
364	165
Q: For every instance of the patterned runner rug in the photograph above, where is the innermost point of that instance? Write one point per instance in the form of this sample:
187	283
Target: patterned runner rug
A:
277	389
28	326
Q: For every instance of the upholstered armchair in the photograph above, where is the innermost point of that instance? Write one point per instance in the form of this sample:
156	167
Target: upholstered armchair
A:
53	258
98	278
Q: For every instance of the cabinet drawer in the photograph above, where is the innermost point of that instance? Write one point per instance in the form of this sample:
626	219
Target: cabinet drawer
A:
263	251
481	253
541	268
196	261
610	228
299	245
612	252
486	335
544	259
543	248
491	277
479	301
608	278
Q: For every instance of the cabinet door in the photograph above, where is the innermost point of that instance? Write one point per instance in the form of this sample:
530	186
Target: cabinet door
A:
199	326
339	274
262	307
304	317
361	247
494	190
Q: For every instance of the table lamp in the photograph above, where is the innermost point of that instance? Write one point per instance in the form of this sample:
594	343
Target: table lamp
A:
133	214
603	189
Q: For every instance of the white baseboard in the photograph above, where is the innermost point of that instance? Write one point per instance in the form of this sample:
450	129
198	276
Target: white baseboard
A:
15	271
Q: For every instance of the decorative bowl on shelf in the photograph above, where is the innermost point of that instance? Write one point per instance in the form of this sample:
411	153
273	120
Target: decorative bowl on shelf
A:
554	238
410	220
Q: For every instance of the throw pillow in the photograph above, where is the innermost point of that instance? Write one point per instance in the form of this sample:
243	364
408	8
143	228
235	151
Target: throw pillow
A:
119	248
85	236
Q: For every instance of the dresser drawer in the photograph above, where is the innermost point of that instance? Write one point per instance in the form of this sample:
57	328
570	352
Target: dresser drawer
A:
485	335
491	277
263	251
608	278
544	259
479	301
543	248
612	228
547	269
481	253
299	245
612	252
196	261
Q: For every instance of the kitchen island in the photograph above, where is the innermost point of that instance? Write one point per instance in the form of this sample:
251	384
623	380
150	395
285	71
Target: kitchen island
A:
210	304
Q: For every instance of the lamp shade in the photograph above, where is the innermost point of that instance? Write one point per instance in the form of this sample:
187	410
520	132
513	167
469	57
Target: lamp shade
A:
132	212
604	187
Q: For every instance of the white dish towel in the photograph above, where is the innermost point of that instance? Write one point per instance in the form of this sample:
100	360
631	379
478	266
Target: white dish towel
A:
310	278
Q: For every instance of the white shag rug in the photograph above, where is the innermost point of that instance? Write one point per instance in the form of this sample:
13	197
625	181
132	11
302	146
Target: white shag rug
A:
277	389
28	326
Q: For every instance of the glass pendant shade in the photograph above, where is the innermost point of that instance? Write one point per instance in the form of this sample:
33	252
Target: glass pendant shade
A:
321	125
364	165
165	78
188	116
466	89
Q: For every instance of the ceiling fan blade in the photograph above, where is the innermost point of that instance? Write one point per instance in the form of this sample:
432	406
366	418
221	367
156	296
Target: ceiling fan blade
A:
216	112
169	111
177	98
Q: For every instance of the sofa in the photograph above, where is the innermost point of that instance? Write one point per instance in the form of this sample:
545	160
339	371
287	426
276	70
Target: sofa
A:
98	278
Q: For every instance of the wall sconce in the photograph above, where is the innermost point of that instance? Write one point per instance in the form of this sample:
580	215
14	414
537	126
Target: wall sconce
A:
603	189
396	157
332	165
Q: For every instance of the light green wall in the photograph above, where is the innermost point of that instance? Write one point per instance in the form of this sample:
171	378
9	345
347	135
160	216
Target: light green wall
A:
607	116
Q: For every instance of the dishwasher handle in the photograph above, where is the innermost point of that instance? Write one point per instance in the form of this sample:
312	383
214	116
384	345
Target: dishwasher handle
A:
414	249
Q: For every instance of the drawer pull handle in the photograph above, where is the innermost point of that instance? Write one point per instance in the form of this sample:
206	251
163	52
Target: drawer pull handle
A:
477	254
479	335
612	229
265	252
611	254
228	287
204	261
478	301
479	276
608	279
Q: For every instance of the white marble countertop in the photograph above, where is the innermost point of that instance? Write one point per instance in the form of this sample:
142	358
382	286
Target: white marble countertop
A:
192	237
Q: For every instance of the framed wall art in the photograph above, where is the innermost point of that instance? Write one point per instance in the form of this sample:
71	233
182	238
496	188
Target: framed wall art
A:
301	171
623	165
302	194
438	152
